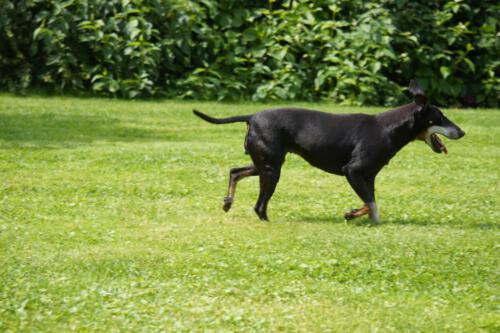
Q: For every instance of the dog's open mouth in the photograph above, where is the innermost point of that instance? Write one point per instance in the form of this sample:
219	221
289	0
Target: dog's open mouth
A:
437	145
433	140
430	136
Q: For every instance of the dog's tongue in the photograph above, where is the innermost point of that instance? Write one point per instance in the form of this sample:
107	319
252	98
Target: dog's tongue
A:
439	143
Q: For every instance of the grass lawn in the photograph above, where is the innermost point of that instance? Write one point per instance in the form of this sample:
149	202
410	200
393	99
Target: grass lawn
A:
111	220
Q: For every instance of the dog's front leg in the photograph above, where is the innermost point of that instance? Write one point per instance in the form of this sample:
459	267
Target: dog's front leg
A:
357	212
364	186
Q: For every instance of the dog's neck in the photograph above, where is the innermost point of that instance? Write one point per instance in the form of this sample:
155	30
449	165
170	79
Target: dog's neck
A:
400	125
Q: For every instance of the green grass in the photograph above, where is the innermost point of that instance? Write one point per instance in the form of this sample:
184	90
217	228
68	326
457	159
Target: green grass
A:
111	220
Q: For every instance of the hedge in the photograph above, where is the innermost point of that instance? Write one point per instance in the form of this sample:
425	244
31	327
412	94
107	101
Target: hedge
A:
345	51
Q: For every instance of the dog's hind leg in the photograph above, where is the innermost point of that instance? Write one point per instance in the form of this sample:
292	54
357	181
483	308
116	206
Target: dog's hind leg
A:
235	175
269	178
265	146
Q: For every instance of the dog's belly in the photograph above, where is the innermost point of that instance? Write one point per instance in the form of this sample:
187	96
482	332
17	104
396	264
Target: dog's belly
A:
328	163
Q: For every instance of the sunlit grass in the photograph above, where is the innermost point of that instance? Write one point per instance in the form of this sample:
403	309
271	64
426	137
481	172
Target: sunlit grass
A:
111	220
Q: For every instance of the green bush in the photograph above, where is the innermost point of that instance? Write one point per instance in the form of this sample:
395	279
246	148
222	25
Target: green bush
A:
352	52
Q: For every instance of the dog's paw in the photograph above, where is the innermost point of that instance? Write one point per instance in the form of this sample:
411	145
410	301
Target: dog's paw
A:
227	204
349	215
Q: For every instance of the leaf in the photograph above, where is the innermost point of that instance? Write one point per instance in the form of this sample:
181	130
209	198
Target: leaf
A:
96	77
445	71
470	64
132	28
320	78
38	31
249	35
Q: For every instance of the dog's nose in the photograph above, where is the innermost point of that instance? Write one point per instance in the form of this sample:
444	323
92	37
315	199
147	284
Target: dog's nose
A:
460	133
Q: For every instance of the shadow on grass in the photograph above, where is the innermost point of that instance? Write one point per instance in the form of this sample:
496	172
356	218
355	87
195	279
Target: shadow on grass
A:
365	222
452	223
54	130
327	219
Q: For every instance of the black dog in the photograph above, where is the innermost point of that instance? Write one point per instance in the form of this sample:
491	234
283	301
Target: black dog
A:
354	145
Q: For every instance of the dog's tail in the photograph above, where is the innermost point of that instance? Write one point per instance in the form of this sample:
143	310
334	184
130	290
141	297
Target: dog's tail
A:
222	120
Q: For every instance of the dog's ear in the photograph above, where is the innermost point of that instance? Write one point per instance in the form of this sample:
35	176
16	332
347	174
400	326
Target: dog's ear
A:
418	93
415	89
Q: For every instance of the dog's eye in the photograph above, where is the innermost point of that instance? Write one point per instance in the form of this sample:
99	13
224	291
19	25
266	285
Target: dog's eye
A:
430	122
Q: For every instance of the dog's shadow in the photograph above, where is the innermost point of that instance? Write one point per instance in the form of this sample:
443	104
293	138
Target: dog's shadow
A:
365	222
330	219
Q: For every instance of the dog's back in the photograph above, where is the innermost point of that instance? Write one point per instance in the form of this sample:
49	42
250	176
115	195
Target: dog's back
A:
323	139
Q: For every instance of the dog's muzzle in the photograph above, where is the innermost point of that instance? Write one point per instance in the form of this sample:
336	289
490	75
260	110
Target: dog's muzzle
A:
430	136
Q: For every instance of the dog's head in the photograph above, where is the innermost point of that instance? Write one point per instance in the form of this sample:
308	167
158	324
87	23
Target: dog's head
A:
431	121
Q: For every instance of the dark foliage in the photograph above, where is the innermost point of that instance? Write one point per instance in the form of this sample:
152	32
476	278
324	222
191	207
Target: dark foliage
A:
354	52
